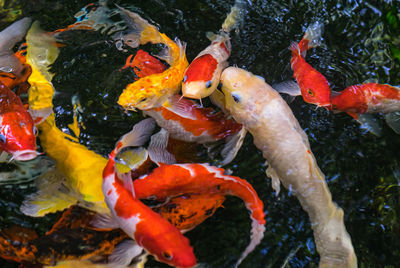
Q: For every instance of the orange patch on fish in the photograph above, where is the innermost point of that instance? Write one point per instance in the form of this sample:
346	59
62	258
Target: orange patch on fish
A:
201	69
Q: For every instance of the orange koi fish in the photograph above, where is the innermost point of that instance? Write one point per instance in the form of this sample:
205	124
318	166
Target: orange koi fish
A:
201	78
150	231
153	90
174	180
311	84
185	120
17	131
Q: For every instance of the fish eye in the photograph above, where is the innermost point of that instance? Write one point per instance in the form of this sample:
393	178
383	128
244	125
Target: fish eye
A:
2	138
142	100
208	84
309	91
35	131
167	255
235	97
184	79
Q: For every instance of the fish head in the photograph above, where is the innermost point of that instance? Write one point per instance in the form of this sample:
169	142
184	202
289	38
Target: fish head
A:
241	102
141	99
18	135
201	77
315	89
172	248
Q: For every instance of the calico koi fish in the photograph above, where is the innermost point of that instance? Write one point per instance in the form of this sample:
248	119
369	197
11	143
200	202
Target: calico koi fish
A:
153	90
285	146
17	131
150	231
201	78
311	84
174	180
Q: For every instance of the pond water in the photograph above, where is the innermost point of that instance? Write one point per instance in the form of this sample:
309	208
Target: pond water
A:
361	43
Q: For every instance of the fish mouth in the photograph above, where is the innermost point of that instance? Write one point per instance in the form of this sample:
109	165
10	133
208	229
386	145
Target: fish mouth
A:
24	155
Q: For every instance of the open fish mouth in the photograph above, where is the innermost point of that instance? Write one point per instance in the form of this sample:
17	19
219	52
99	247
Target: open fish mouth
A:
24	155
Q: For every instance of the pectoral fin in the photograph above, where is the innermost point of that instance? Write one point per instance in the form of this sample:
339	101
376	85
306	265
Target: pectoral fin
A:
288	87
232	146
276	183
125	252
393	120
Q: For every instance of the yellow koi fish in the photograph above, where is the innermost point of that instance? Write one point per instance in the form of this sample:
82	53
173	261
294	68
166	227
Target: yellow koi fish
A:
41	52
153	90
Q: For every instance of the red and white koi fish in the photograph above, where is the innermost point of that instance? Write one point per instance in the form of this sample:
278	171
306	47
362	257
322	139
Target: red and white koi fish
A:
311	84
174	180
201	78
185	120
357	100
150	231
17	131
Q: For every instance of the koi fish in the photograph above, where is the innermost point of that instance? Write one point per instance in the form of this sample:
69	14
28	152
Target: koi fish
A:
174	180
17	131
183	119
358	100
150	231
153	90
201	78
8	38
285	146
42	51
311	84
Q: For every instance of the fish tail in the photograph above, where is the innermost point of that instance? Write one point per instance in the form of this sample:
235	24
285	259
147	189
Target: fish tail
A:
242	189
140	31
53	195
236	15
314	34
295	49
139	134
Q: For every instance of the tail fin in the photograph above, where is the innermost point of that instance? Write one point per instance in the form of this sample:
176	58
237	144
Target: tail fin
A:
53	195
140	31
314	34
235	17
139	134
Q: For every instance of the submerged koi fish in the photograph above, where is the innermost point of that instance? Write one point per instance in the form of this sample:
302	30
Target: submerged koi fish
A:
201	78
311	84
277	133
17	131
174	180
153	90
14	33
150	231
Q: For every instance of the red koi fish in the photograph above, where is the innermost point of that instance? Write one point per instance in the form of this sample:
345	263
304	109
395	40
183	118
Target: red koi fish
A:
174	180
185	120
201	78
144	64
17	131
367	98
311	84
150	231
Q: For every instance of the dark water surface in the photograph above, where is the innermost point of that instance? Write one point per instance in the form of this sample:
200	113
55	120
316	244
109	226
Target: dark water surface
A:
361	43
